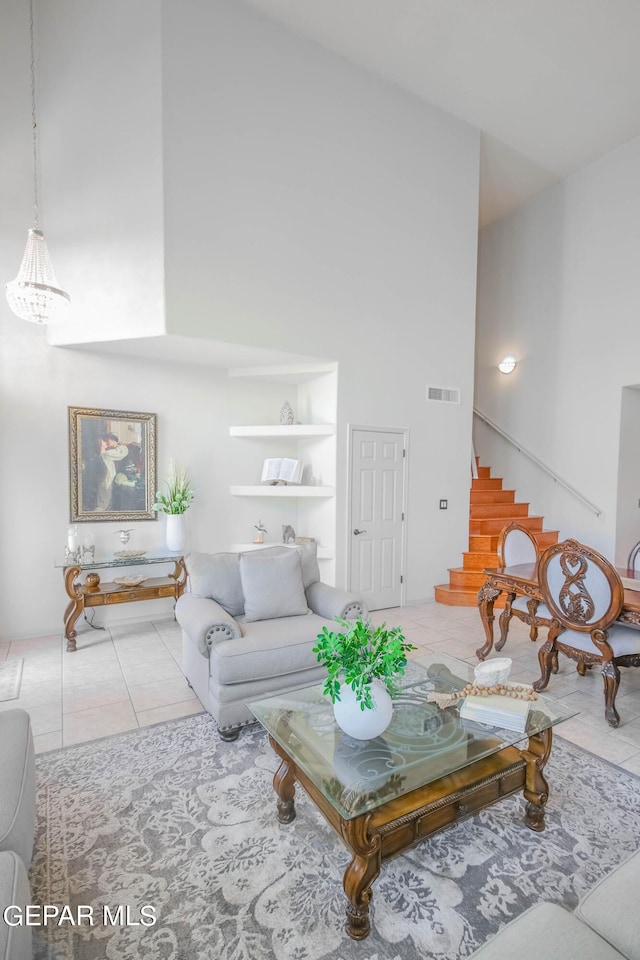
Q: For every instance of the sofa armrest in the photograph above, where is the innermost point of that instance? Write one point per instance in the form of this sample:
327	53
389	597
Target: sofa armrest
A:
205	622
329	602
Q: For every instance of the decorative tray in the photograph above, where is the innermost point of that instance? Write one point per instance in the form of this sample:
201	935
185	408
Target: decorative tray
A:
129	554
129	581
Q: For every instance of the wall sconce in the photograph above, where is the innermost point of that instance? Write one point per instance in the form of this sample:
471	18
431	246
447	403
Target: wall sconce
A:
507	365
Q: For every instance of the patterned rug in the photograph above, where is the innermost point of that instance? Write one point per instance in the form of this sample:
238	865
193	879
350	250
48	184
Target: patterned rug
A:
173	819
10	679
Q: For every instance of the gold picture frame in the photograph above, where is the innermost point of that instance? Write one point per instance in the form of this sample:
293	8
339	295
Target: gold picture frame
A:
112	465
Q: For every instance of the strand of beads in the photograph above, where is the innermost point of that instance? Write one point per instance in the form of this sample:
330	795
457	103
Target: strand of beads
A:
517	692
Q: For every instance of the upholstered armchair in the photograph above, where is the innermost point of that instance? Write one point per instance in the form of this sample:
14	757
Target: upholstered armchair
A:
516	544
249	624
584	595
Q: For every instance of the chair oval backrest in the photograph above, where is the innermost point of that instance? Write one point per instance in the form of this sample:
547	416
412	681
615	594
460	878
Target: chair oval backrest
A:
581	588
516	544
634	555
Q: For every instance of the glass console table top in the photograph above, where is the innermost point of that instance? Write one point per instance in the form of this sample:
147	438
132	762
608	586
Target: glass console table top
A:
149	556
422	743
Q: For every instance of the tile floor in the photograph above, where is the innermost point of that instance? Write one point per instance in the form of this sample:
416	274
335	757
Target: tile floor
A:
129	676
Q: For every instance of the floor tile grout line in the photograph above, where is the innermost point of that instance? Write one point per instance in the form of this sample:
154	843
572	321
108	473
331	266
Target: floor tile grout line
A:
431	628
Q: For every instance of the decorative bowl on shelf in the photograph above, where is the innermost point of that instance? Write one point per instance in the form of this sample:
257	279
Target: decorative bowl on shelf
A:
493	671
129	581
129	554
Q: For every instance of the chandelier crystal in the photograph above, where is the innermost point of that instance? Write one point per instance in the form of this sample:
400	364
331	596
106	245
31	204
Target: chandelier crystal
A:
34	294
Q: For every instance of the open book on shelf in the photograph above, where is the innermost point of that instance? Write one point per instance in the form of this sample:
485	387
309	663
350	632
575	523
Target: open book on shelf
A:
281	470
497	711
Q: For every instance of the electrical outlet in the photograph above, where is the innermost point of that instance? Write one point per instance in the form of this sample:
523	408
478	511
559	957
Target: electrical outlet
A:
444	504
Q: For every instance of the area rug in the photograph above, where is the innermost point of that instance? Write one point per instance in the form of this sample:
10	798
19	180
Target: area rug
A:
10	679
177	826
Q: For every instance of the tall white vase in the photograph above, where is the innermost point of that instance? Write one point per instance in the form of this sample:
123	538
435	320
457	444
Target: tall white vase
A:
175	532
364	724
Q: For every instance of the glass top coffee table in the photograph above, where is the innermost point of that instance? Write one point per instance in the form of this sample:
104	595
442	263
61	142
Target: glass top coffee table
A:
429	768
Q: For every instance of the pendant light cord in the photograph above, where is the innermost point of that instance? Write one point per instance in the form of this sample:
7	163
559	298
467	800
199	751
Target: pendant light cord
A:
34	295
34	125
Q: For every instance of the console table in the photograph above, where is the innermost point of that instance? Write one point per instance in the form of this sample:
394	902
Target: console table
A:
94	593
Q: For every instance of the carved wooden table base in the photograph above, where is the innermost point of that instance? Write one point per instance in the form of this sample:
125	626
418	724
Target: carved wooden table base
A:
522	580
400	823
93	593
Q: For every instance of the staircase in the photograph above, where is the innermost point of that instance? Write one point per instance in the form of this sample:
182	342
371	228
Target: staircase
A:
491	509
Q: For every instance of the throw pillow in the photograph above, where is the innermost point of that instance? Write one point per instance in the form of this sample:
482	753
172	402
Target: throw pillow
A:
217	575
308	553
309	557
272	586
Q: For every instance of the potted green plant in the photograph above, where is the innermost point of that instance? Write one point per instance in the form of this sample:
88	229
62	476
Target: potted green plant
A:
175	502
363	664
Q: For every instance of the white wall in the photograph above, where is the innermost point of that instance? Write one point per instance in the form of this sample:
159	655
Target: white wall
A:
312	207
559	288
628	513
99	95
194	407
298	203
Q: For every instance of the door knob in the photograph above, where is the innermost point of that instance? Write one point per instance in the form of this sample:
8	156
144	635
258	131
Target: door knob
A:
358	532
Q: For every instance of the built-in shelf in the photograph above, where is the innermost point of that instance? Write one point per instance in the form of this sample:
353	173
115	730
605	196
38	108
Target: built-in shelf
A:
324	553
294	431
287	373
255	490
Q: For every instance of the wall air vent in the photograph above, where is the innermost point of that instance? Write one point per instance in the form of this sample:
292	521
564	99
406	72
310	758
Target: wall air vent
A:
443	394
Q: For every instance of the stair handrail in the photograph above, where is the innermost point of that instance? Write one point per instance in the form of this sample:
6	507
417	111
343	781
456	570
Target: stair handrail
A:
539	463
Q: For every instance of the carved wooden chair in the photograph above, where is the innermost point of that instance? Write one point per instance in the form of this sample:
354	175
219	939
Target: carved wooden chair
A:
634	557
516	544
585	597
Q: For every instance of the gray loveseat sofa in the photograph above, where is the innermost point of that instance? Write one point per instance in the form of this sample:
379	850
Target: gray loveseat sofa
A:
249	624
604	925
17	825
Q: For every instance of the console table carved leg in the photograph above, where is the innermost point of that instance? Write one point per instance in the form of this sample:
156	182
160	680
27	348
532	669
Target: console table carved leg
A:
180	576
284	785
360	874
536	789
486	597
74	607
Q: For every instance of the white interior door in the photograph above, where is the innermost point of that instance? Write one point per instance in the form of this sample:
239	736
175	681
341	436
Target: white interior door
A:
376	515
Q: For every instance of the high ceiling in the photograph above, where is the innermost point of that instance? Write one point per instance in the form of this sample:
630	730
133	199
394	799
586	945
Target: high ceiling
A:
552	84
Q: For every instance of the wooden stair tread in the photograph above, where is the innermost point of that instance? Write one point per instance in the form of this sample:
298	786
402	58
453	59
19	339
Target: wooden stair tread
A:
482	543
461	579
496	524
493	496
486	483
479	560
451	597
486	510
455	598
546	538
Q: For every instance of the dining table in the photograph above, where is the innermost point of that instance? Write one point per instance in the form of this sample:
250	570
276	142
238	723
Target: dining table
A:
522	580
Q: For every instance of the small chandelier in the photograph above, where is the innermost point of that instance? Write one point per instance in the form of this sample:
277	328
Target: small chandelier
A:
34	294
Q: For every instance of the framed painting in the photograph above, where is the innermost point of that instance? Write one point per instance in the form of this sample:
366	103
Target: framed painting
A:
112	464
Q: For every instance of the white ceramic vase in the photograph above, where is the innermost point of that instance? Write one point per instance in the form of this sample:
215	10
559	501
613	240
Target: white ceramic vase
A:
364	724
175	532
